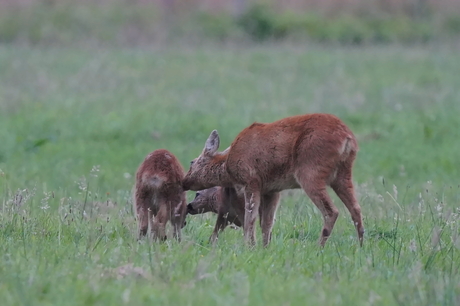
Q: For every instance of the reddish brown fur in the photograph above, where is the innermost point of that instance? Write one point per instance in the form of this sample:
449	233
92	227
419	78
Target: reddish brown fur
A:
228	204
310	151
159	196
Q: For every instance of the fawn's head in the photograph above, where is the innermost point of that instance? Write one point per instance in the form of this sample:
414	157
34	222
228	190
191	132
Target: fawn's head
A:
205	200
199	176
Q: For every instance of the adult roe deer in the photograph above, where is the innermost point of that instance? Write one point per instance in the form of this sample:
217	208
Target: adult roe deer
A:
159	196
229	204
309	151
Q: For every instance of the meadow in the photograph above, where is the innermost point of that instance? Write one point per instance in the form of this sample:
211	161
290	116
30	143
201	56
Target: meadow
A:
75	123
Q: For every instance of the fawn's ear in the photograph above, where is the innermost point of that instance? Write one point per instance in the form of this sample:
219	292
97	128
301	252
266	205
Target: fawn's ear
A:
212	144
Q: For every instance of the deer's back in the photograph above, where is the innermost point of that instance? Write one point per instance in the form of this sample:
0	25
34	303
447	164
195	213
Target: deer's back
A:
272	151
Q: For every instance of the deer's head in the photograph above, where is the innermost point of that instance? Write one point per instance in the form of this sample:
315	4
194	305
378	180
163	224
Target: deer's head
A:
205	200
204	169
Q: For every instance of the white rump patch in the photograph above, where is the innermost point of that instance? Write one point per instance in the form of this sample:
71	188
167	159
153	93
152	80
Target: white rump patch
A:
154	181
345	149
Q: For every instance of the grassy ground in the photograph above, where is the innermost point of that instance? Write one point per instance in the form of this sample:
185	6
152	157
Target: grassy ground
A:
76	123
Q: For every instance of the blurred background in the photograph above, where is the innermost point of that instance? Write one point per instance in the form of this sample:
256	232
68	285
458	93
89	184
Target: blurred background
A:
135	22
105	82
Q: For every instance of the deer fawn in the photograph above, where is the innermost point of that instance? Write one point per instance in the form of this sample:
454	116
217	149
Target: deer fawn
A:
159	196
309	151
228	204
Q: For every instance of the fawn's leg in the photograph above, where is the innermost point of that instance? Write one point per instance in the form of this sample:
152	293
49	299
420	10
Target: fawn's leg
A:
221	224
160	220
178	218
142	203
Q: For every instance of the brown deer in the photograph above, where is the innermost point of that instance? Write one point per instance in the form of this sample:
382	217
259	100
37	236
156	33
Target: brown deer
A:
159	196
309	151
228	204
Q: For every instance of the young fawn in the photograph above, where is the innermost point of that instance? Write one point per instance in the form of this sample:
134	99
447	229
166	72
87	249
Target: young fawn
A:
159	196
309	151
228	204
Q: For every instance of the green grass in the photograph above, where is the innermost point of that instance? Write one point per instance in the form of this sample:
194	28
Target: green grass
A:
76	123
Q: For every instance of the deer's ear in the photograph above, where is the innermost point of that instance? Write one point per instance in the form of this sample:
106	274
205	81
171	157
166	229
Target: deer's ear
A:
212	144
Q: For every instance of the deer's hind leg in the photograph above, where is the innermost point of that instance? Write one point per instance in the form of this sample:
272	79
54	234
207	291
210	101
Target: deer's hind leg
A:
314	183
343	187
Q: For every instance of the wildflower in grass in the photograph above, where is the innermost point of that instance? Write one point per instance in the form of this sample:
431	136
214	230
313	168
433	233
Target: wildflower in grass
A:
82	184
18	198
21	197
45	200
395	192
45	207
94	171
439	208
420	200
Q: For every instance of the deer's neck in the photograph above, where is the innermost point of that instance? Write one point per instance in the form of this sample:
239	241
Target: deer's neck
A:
219	172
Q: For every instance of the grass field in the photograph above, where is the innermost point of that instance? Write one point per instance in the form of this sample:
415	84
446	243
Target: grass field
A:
76	122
